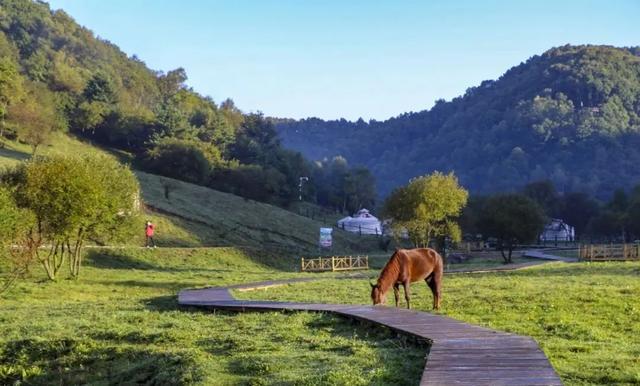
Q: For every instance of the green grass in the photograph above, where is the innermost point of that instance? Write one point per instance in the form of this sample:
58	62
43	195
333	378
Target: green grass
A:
586	317
120	324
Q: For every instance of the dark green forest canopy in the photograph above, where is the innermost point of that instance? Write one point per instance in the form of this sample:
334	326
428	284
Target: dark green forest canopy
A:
570	115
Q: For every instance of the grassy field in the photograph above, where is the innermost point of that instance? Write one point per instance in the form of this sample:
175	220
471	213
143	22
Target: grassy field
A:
586	317
120	324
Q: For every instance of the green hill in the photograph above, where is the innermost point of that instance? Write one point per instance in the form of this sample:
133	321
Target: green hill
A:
57	77
189	215
570	115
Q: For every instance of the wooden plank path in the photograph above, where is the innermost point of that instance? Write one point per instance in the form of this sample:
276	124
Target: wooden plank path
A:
460	354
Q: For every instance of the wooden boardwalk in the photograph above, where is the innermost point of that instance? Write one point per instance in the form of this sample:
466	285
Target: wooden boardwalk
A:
460	354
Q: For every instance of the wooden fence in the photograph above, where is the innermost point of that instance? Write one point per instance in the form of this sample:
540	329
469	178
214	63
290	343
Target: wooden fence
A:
335	263
604	252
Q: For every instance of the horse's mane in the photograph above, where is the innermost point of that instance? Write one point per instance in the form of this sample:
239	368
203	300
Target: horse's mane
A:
389	273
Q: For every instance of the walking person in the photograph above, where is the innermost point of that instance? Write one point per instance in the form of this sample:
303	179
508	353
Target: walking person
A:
148	231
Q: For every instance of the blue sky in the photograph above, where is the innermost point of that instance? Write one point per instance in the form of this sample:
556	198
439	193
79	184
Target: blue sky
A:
351	59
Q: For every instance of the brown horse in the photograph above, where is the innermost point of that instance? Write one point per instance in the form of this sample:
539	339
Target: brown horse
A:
405	267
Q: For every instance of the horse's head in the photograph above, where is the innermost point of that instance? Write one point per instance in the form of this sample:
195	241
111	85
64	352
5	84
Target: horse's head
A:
376	294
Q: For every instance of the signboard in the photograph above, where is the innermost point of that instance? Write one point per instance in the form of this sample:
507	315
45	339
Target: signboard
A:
325	237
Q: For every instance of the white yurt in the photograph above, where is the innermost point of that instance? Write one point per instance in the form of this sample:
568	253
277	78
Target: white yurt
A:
362	222
558	230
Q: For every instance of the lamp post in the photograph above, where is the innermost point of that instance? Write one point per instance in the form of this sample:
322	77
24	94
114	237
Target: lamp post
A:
302	179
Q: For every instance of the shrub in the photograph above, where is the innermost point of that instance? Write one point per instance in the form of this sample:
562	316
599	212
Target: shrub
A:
179	159
74	199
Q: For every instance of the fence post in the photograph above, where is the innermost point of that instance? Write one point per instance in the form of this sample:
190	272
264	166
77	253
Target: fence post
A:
333	263
302	264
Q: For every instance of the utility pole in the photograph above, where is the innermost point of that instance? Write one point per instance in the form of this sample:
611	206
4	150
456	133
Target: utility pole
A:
302	179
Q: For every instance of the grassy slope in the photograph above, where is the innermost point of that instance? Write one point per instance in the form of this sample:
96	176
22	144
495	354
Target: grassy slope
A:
224	219
119	324
197	216
585	316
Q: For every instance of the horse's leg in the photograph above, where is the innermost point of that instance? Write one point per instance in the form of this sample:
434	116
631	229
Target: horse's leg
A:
407	294
436	288
431	282
396	292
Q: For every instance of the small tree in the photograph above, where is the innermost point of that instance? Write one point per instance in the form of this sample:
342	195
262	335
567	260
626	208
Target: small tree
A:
512	219
74	199
35	116
427	208
184	160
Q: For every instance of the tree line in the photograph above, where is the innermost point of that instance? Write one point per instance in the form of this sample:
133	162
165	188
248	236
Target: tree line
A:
434	209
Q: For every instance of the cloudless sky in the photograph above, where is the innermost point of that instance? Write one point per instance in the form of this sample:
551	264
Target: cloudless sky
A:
351	59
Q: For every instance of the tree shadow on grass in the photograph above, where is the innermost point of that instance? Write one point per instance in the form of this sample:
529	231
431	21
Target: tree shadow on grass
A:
173	286
13	154
81	361
162	303
98	259
573	269
120	261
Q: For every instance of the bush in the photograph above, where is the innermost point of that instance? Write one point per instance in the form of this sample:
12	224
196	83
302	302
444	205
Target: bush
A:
74	199
179	159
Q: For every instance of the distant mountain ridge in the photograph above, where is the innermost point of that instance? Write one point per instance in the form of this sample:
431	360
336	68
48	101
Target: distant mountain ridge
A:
570	115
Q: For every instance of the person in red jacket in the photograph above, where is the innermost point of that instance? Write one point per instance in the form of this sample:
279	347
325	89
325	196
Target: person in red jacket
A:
148	231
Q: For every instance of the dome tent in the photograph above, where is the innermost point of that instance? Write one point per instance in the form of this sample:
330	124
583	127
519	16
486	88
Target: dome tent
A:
362	222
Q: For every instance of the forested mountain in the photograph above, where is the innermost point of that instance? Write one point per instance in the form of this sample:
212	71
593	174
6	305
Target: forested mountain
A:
55	75
570	115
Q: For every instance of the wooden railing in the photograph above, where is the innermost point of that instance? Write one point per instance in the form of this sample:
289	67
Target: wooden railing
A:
335	263
609	252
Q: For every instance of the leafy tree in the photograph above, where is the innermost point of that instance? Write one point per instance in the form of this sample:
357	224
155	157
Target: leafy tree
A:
73	199
359	189
184	160
577	209
512	219
35	117
605	225
427	208
99	89
471	216
10	88
544	194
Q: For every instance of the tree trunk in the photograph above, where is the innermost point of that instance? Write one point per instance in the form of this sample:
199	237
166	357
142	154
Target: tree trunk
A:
504	257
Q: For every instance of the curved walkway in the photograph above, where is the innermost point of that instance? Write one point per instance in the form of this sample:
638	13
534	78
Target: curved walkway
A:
460	354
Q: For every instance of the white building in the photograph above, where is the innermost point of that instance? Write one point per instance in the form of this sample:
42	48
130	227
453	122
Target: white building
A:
558	230
362	222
